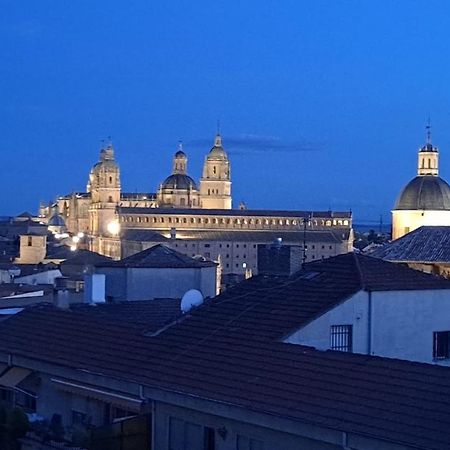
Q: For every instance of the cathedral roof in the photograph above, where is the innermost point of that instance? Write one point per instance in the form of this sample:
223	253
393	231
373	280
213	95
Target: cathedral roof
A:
179	181
56	221
425	193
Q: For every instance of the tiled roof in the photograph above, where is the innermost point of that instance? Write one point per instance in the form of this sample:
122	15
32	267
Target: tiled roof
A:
235	212
83	257
158	257
229	351
288	237
378	275
426	244
142	236
147	316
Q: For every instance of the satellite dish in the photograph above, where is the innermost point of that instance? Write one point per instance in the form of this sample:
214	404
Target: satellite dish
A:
190	299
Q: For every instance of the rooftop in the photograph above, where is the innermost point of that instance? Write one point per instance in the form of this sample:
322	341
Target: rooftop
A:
228	350
158	257
236	212
425	244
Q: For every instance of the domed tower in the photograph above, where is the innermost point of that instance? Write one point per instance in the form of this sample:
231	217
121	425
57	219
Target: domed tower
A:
215	184
56	223
425	200
179	189
104	187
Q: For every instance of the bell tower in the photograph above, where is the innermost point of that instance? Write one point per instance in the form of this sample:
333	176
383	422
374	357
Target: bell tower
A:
428	158
104	187
215	184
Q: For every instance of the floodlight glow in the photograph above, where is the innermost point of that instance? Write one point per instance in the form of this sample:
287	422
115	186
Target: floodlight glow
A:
114	227
75	239
80	235
73	247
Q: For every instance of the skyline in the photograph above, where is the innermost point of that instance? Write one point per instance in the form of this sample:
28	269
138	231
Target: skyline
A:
321	105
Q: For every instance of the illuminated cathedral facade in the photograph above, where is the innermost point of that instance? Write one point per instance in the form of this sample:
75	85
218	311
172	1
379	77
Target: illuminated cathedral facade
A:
194	219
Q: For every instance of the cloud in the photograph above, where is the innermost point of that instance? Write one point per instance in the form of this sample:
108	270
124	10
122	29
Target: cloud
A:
251	144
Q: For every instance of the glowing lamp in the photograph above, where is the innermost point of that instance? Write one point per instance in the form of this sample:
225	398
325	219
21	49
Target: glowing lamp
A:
114	227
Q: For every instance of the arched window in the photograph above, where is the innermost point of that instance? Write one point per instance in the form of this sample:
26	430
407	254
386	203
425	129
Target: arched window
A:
429	163
182	201
110	180
214	170
110	199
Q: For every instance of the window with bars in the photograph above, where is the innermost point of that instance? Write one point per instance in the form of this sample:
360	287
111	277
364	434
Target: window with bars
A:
441	344
341	338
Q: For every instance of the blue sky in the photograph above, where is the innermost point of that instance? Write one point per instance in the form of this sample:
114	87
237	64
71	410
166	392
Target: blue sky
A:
322	104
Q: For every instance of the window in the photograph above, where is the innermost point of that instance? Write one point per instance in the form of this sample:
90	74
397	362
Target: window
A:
185	435
78	418
441	344
246	443
30	241
341	338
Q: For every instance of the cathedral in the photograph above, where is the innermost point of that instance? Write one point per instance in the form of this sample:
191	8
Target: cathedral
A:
196	219
425	200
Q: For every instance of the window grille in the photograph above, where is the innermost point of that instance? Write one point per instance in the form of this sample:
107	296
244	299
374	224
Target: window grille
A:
341	338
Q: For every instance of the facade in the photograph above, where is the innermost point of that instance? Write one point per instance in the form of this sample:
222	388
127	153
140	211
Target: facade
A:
425	200
201	215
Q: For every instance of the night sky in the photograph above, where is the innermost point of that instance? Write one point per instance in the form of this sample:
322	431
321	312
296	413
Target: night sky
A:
322	104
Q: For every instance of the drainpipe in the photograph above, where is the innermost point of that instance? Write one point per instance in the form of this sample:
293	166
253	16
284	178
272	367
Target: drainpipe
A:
153	427
369	323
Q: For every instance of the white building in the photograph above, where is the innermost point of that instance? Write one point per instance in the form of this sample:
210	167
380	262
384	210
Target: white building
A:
377	308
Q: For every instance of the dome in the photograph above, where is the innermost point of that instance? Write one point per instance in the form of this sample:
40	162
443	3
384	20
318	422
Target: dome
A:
425	193
56	221
180	154
179	181
428	147
107	162
217	152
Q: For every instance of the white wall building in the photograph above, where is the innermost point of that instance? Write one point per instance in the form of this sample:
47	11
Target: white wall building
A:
396	312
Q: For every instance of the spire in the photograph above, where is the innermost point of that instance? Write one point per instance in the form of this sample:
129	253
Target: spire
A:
218	138
180	145
428	128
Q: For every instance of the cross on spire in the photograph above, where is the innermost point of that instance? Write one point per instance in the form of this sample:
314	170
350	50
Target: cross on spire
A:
428	128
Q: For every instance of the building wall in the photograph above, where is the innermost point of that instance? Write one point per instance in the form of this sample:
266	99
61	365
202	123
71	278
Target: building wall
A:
32	249
147	284
394	324
405	221
47	277
179	428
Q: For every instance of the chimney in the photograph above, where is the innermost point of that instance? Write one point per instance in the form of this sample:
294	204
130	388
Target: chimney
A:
94	288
